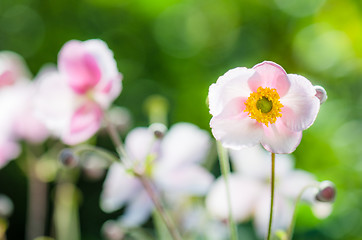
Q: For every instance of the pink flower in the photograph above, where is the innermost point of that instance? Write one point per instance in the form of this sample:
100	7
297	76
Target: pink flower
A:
262	105
73	99
175	170
12	69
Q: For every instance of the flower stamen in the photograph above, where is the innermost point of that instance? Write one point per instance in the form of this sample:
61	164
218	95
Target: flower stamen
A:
264	105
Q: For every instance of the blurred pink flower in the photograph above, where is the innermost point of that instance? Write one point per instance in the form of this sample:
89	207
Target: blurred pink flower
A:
12	69
72	100
262	105
250	189
17	118
175	170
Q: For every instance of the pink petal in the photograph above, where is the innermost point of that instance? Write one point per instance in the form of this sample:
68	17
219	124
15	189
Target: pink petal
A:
80	67
301	105
270	75
8	151
189	179
278	138
243	194
110	84
84	124
233	84
234	128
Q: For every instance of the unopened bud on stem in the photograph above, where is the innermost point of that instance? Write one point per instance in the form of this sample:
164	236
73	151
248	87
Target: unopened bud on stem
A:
327	192
158	129
68	158
321	94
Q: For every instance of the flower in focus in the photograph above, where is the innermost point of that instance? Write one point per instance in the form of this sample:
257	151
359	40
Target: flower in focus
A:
71	100
250	189
172	162
262	105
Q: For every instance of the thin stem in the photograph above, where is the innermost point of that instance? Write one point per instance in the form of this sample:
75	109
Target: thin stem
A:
294	217
225	170
159	207
145	182
37	201
272	194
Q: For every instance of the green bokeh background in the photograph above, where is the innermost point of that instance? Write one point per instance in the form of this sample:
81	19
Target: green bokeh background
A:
178	48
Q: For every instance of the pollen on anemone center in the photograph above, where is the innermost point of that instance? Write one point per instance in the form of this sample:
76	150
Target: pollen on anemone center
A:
264	105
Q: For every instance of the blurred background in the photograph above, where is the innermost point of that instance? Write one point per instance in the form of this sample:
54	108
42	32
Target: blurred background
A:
178	48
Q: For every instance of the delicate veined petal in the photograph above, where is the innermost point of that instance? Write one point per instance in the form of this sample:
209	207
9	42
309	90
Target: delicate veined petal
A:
301	105
139	143
270	75
84	123
233	84
137	211
278	138
243	194
80	68
119	187
234	128
188	179
184	143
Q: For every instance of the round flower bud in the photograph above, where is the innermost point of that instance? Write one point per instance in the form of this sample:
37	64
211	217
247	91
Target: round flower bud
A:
68	158
112	231
321	94
327	192
6	206
158	129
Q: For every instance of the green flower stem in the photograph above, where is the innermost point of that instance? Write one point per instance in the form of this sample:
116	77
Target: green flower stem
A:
145	182
225	170
272	194
297	200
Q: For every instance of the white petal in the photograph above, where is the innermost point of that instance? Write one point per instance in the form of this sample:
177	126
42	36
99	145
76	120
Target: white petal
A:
234	128
282	213
184	143
301	105
139	143
119	187
243	194
137	211
188	179
233	84
279	139
293	183
322	209
256	162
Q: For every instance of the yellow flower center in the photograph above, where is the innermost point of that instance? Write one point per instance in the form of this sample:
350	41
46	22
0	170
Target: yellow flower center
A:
264	106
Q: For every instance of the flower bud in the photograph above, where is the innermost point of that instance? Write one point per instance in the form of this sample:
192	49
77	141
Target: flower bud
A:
112	231
158	129
68	158
327	192
321	94
6	206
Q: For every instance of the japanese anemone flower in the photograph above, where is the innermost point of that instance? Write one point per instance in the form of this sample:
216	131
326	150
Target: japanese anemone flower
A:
175	170
262	105
72	99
